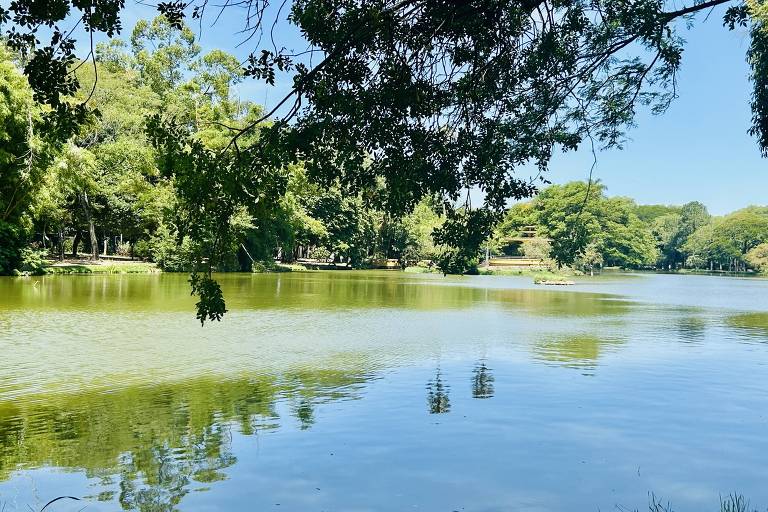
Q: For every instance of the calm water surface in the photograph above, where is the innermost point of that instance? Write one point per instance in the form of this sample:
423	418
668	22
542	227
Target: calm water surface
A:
383	391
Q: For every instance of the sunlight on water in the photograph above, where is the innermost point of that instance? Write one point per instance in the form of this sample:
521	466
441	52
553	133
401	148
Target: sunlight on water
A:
383	391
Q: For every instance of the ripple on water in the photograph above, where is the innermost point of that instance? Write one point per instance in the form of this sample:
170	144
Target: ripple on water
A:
511	395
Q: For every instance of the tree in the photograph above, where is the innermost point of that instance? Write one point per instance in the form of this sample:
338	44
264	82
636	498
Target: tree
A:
430	98
625	240
24	155
582	222
693	215
728	240
570	215
742	230
76	176
757	257
665	229
650	212
590	258
162	52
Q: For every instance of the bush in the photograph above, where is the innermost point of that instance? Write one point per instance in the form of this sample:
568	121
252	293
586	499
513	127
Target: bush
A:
123	249
320	253
260	267
68	245
166	251
457	261
536	248
758	257
11	243
32	263
696	261
141	249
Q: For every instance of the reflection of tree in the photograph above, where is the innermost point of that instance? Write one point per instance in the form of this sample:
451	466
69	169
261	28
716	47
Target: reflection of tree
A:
753	324
690	328
305	413
482	381
437	395
150	446
167	473
575	351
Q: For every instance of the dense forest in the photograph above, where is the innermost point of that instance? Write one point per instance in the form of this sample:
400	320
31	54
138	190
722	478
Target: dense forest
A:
110	190
588	230
106	192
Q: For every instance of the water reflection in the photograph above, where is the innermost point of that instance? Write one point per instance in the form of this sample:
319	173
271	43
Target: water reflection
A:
437	395
751	324
482	381
690	328
148	408
580	351
151	446
298	291
305	413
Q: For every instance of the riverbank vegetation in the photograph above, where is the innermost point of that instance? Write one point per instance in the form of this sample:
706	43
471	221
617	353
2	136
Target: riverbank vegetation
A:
576	224
109	191
142	148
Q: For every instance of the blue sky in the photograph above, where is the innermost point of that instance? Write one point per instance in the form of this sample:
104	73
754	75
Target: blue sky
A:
698	150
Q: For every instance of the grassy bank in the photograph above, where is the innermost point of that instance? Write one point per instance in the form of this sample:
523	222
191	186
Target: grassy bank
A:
539	276
263	267
133	267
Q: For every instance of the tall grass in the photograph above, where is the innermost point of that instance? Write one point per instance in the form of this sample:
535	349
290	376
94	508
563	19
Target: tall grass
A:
730	503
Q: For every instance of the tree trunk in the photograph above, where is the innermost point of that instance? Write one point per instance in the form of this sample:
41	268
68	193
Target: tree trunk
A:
76	244
94	240
91	227
61	244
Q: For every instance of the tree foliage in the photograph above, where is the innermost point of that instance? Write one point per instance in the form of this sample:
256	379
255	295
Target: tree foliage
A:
392	103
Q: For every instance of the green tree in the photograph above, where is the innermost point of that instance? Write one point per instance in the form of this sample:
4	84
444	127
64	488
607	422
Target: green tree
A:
727	240
665	229
23	159
430	98
578	215
590	258
625	240
757	257
570	215
650	212
693	215
75	175
163	52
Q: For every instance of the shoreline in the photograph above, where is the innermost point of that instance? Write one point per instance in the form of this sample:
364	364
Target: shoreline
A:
80	266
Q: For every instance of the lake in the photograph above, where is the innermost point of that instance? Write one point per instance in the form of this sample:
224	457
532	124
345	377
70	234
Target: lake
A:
383	391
